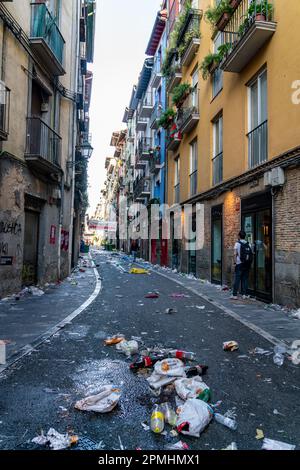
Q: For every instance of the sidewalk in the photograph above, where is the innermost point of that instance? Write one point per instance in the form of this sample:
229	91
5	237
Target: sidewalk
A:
25	322
273	322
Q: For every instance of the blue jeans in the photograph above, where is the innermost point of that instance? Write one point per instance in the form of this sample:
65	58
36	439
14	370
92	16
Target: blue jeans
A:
241	277
133	253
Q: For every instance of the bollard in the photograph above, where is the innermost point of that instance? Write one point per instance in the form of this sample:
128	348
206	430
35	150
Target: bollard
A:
2	352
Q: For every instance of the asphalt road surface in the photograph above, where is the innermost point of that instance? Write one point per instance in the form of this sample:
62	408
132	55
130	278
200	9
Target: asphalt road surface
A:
40	390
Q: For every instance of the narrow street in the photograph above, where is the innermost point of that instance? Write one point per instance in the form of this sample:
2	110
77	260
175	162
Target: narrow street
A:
39	391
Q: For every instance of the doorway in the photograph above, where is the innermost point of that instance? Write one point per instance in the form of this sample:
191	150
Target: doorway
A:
30	259
216	244
257	223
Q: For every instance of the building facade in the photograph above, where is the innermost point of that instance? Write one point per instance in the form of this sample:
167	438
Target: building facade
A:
237	149
43	73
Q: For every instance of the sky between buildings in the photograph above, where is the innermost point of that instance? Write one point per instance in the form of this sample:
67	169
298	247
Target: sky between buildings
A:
123	28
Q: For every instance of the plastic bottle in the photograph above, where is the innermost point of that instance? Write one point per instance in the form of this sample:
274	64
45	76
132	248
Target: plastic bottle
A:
193	371
169	414
182	354
278	357
157	420
145	361
228	422
205	395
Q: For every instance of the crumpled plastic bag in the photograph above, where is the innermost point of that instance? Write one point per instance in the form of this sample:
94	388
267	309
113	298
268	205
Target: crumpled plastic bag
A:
190	388
128	347
156	381
171	367
193	417
103	402
55	440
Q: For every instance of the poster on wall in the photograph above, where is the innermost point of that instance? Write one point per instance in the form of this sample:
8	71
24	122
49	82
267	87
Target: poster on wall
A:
52	235
64	245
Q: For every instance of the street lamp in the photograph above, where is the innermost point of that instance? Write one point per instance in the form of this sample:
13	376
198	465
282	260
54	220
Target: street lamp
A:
86	150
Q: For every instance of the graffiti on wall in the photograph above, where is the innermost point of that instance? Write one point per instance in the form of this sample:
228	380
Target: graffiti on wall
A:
10	227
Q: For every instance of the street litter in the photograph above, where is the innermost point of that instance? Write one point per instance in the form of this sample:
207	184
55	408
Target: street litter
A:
138	271
105	401
261	351
191	388
180	445
259	434
179	296
114	340
270	444
128	347
278	357
226	421
156	381
152	295
55	440
170	367
231	446
296	314
200	307
230	346
193	417
171	310
157	420
169	414
36	291
145	426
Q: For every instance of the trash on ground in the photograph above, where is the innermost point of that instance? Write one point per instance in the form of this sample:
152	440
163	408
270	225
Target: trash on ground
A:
226	421
231	446
55	440
271	444
190	388
138	271
170	311
179	296
182	354
259	434
278	357
157	420
170	367
114	340
152	295
156	381
200	307
192	371
129	348
193	417
230	346
296	314
103	402
169	414
173	433
180	445
261	351
145	426
36	291
142	362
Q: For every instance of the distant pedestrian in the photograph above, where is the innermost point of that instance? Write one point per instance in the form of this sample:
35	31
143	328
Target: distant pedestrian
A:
243	258
134	249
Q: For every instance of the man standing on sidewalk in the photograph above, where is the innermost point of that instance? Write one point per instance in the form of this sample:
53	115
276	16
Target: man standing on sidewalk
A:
243	258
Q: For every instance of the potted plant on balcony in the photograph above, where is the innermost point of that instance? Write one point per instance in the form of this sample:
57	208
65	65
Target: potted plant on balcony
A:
219	15
261	9
180	93
167	118
209	65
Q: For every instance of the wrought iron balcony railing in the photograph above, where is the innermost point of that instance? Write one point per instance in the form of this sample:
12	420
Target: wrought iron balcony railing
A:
43	143
177	193
217	168
258	145
188	113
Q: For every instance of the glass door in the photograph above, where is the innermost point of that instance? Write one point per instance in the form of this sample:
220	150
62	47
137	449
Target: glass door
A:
258	228
216	245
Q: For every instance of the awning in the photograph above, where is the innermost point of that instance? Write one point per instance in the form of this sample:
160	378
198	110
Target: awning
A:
144	78
157	32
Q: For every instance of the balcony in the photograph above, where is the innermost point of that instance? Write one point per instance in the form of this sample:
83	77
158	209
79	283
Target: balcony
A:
142	188
4	111
147	106
145	149
217	169
43	146
193	183
173	140
46	39
258	145
175	75
156	73
155	163
155	116
188	115
189	37
141	124
246	33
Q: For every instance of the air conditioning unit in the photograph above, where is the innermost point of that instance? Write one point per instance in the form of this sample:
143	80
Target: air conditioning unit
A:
274	177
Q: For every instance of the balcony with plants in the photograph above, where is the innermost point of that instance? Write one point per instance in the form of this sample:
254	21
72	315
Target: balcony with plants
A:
212	61
171	69
248	26
46	39
188	38
186	99
156	115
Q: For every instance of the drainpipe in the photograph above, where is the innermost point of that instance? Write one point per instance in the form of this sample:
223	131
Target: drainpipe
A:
273	192
60	224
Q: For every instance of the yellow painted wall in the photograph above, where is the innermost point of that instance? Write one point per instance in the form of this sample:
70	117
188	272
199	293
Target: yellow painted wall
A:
282	58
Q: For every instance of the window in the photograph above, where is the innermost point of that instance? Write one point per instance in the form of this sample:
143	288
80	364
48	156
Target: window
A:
217	78
193	167
258	120
217	160
177	181
194	92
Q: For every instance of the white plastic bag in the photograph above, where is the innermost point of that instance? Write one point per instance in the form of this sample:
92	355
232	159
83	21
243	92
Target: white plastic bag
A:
171	367
190	388
55	440
193	417
128	347
103	402
156	381
270	444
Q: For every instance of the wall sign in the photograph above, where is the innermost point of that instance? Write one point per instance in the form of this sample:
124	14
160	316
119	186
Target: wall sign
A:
6	260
